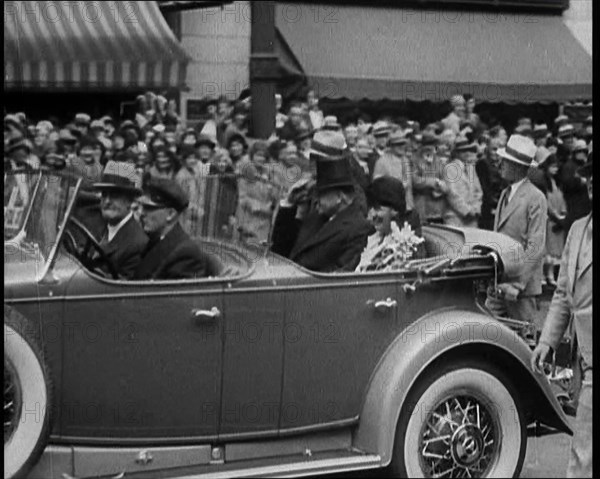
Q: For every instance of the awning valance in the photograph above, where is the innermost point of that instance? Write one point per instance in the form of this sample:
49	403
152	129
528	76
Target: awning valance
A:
384	52
90	46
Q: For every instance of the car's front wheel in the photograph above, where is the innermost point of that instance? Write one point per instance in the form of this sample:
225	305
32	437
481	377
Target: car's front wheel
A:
463	420
27	395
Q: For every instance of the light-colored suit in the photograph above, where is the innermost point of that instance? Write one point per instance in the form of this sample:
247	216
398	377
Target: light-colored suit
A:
464	197
573	299
524	219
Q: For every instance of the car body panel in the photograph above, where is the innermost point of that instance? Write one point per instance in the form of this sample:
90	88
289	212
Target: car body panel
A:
418	346
262	357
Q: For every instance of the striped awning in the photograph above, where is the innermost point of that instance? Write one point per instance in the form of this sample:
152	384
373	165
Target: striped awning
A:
90	46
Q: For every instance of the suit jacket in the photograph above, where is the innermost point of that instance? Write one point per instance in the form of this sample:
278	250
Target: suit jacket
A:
524	219
464	197
319	244
492	185
126	248
176	256
397	167
573	294
575	192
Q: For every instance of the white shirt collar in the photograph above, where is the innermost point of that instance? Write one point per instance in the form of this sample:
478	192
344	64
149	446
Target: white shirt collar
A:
113	230
514	187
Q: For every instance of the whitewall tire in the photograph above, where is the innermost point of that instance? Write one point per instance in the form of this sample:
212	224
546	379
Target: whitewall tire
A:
461	421
27	396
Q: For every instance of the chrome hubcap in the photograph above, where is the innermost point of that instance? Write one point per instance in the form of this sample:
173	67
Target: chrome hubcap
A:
459	439
12	400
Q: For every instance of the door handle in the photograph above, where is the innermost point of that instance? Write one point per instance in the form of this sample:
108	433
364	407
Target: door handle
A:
206	315
382	305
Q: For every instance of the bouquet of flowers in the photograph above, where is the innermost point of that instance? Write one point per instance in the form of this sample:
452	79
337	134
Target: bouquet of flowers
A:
392	252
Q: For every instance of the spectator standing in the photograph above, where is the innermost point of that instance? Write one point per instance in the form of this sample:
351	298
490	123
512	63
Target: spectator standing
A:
428	182
189	178
572	305
522	214
470	116
206	150
258	195
222	191
381	134
315	115
573	186
491	181
464	197
164	164
457	115
395	163
237	147
557	209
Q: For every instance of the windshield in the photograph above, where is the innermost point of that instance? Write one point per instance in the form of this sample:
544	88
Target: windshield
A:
35	208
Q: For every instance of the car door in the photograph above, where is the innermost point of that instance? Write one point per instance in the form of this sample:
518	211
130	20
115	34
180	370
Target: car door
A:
252	358
336	329
142	360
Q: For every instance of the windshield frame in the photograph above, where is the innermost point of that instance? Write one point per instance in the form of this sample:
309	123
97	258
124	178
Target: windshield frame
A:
30	205
53	252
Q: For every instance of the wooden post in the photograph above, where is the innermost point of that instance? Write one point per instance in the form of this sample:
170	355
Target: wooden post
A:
264	68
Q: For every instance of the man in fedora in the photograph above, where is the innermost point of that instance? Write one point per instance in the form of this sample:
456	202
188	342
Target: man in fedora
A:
332	235
572	306
171	253
464	196
123	239
395	163
522	214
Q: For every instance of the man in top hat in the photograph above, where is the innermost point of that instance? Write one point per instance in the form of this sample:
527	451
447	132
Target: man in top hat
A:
522	214
331	236
571	308
122	239
171	253
464	196
396	163
573	185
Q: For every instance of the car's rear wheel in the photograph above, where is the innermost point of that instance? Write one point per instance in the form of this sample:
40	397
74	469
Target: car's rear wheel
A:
463	420
27	396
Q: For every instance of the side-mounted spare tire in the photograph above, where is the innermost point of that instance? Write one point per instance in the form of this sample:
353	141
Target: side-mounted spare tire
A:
27	395
462	420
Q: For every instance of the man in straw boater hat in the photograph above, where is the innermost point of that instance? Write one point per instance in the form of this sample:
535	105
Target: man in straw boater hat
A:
571	308
122	239
522	214
331	236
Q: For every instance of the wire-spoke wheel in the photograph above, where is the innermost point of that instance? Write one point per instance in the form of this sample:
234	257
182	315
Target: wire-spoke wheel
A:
461	421
27	396
13	402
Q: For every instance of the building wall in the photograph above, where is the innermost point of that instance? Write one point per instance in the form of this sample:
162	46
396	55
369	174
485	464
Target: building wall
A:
218	40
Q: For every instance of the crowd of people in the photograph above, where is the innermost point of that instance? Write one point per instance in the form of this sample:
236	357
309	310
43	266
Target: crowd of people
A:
449	170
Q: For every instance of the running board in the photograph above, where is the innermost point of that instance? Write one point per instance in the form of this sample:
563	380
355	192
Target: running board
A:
318	464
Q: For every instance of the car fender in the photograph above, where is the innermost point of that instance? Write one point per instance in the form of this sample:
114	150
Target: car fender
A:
441	333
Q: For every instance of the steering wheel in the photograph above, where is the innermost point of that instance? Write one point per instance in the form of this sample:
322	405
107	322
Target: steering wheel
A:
83	254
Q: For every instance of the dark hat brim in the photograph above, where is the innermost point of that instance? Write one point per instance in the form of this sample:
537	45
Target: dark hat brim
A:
206	142
334	185
132	190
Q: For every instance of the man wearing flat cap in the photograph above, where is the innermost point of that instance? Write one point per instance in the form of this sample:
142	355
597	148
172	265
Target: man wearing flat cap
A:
122	239
331	236
522	214
571	308
171	253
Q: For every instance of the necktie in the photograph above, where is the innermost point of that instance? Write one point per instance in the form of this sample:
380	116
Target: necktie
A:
505	196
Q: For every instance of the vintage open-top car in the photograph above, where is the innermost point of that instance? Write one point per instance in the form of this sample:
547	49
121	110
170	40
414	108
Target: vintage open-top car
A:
262	369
